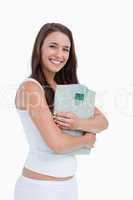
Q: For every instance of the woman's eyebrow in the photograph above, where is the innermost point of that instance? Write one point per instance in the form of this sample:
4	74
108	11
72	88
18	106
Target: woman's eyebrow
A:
57	44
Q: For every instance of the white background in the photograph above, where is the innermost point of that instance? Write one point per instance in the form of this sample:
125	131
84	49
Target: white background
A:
103	35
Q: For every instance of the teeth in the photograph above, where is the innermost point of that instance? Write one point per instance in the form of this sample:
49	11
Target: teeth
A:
55	61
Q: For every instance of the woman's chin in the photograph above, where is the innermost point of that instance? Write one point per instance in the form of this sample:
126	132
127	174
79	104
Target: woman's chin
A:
56	68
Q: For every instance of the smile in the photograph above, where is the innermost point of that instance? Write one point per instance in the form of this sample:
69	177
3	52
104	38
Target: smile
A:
56	62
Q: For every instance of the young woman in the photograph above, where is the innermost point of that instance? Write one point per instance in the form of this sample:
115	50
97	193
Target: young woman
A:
49	170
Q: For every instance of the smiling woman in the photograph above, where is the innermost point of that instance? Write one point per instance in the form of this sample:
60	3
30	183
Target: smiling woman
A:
49	172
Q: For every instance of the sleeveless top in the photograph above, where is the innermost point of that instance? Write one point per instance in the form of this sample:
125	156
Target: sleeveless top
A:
40	157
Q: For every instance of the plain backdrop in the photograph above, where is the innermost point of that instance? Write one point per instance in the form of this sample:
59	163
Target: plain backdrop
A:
103	35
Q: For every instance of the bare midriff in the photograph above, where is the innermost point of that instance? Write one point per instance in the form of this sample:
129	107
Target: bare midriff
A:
34	175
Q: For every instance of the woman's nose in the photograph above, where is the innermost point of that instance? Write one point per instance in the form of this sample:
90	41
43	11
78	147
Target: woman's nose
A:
59	53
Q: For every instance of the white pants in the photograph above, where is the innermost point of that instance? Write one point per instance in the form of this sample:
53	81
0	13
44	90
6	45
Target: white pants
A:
32	189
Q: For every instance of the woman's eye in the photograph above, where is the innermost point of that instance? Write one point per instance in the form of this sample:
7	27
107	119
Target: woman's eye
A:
66	50
52	46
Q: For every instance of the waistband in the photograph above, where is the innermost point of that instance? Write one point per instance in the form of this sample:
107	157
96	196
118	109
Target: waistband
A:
23	179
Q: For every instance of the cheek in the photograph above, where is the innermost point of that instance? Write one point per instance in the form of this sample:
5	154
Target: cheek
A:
46	52
45	60
66	57
45	55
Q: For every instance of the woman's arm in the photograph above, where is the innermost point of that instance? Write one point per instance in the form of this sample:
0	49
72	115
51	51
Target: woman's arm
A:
95	124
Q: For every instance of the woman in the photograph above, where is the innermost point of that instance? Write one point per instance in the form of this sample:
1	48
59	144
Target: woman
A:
49	171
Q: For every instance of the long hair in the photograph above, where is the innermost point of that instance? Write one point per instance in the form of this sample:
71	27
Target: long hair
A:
67	75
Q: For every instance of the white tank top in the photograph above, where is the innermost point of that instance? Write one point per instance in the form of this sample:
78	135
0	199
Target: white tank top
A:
40	157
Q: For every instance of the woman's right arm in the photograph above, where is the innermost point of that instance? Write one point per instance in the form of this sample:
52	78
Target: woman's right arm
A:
37	107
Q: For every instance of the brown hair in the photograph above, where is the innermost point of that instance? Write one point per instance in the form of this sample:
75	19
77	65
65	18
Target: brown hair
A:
67	75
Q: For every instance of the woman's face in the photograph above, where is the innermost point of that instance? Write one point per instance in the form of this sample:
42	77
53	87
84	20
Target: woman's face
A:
55	51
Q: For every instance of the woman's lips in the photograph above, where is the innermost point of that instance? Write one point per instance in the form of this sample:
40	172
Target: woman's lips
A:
56	62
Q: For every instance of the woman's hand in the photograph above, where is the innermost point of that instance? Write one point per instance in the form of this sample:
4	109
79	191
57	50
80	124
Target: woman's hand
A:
66	120
91	139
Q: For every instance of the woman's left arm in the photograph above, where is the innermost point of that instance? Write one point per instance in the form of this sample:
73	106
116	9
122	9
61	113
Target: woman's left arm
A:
95	124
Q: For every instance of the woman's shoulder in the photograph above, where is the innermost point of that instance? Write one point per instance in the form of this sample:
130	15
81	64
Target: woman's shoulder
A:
27	86
30	82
